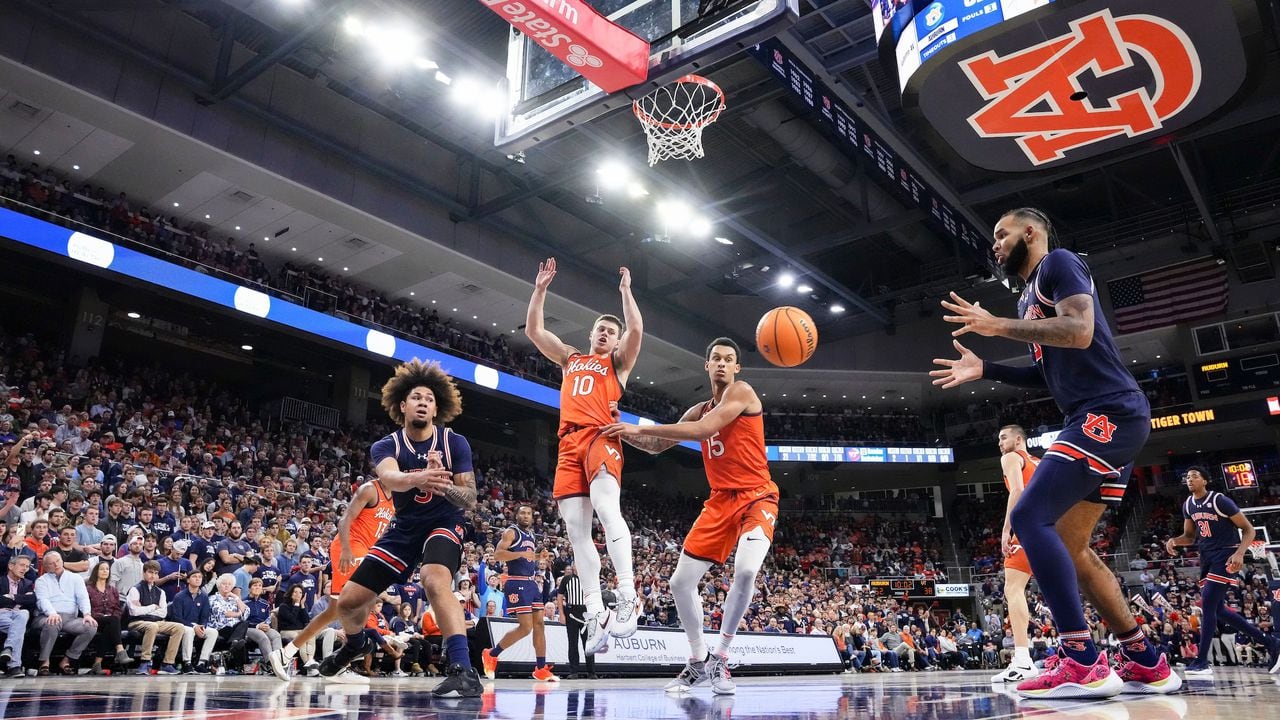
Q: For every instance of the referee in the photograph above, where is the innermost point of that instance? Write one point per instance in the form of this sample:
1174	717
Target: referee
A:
573	609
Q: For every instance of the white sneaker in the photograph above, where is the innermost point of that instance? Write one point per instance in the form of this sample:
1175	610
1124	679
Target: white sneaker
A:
598	627
1016	673
399	673
279	665
693	674
625	618
347	676
721	681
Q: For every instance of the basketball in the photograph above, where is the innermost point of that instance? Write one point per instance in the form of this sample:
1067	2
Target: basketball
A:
786	336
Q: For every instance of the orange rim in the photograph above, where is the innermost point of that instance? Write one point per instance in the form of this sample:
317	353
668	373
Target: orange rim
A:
648	119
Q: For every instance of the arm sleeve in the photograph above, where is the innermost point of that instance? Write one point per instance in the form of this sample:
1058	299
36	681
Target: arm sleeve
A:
383	449
460	454
1062	275
1024	376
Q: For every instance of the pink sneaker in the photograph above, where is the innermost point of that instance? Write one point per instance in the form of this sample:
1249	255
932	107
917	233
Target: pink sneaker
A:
1143	680
1069	679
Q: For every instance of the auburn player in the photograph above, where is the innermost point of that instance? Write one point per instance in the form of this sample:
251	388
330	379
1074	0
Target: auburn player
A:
1017	466
427	467
369	513
741	511
518	548
1213	522
589	467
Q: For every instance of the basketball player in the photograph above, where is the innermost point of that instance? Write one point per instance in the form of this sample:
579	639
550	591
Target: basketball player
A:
518	548
1213	522
1017	466
741	512
362	523
589	468
1107	423
427	467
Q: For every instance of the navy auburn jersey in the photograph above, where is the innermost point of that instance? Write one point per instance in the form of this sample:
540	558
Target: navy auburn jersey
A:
524	541
416	507
1212	517
1273	593
1075	377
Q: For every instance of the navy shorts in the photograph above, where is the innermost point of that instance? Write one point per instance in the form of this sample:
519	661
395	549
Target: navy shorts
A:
523	596
1105	438
401	550
1213	567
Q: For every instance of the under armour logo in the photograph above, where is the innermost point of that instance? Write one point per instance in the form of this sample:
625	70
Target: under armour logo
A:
579	57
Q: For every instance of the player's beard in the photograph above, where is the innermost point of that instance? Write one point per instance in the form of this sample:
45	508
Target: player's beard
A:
417	424
1017	258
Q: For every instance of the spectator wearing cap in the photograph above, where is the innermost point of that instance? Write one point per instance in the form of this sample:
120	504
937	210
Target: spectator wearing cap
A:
203	547
106	552
10	513
174	569
127	570
41	505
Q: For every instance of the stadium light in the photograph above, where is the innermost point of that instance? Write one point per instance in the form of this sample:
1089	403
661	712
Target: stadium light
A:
674	212
837	308
700	226
614	175
246	347
354	26
724	241
786	279
804	289
636	190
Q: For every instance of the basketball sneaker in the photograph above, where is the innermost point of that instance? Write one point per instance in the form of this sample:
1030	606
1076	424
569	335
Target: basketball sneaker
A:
490	663
1273	658
544	674
459	683
1069	679
1016	673
283	658
1142	680
598	627
693	674
1199	670
625	618
721	680
279	666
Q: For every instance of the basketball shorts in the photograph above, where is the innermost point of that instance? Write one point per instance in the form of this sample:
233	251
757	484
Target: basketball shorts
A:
1103	440
583	452
340	578
1213	567
523	595
401	550
1017	559
726	515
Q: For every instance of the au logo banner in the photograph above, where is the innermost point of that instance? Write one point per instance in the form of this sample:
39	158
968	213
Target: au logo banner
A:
1078	80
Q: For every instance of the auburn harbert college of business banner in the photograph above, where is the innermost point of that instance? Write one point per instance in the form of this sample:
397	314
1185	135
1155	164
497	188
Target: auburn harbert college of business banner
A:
658	651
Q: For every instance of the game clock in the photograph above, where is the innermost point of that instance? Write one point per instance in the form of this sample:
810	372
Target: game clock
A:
898	587
1240	475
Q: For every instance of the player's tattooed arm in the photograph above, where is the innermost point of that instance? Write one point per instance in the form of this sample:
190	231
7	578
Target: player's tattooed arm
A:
1072	328
463	490
651	445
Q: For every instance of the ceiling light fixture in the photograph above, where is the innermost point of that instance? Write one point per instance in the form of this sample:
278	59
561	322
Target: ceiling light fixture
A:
786	280
134	315
804	289
724	241
837	308
36	152
75	167
246	347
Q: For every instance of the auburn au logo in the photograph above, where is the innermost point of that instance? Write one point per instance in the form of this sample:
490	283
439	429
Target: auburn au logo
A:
1098	427
1034	95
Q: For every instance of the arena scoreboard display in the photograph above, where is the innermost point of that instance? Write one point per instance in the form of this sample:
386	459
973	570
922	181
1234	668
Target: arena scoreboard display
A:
899	586
1240	475
1232	376
843	454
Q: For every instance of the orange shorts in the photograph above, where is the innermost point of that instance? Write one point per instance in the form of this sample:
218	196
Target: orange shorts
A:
582	453
339	578
1017	559
726	515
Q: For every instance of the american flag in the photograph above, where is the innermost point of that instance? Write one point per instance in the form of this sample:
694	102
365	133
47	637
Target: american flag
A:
1171	294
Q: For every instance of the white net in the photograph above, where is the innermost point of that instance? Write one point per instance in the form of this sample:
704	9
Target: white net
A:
674	115
1266	524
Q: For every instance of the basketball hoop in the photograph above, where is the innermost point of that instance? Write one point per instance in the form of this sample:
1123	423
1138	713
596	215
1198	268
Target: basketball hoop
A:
1258	549
674	115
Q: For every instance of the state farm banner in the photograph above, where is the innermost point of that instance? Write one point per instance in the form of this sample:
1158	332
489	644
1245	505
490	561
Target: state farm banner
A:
606	54
659	651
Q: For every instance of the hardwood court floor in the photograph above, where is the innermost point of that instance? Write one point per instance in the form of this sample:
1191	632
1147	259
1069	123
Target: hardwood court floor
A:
1234	693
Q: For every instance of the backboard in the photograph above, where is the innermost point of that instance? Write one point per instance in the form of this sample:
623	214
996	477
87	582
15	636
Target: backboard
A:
545	96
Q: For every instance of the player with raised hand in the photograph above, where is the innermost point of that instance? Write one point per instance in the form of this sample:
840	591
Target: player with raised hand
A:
741	512
1108	420
589	467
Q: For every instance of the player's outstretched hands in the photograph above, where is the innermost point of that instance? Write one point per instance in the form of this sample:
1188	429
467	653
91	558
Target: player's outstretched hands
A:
620	429
546	271
625	283
971	316
957	372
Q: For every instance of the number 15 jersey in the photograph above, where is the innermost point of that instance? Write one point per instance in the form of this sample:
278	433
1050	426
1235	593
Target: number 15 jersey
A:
734	458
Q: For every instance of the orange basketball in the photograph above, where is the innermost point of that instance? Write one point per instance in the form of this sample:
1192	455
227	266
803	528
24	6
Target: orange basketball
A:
786	336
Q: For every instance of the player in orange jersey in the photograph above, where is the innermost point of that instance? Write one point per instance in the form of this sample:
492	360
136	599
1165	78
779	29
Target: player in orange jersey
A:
589	468
741	512
1017	466
368	514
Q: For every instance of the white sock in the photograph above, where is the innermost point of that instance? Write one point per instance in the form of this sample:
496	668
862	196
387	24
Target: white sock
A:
684	590
1022	657
753	546
606	495
577	512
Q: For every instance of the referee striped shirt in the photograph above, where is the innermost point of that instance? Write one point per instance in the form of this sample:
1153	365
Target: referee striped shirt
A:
571	590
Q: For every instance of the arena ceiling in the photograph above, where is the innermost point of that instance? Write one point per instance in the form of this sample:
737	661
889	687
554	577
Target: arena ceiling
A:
289	65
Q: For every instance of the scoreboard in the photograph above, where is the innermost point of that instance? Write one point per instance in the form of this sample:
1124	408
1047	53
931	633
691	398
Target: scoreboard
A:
896	587
1232	376
1240	475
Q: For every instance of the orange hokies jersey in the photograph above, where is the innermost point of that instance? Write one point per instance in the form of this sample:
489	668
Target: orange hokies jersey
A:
734	457
590	384
1029	463
372	521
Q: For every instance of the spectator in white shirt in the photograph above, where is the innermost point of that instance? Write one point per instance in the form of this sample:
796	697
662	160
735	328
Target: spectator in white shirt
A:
63	603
